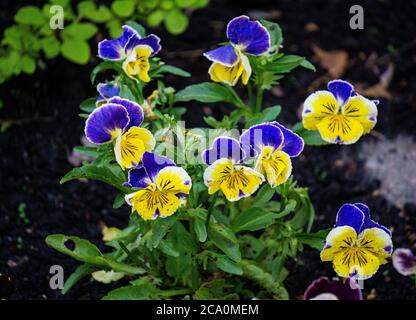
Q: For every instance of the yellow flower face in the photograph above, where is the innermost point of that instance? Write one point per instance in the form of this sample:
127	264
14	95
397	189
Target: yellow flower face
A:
231	74
340	115
277	166
235	181
131	145
356	256
164	196
137	64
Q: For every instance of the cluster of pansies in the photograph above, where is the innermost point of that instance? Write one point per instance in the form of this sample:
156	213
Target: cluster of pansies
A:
270	145
237	167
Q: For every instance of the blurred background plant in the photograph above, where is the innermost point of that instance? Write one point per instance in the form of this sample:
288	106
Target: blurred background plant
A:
27	44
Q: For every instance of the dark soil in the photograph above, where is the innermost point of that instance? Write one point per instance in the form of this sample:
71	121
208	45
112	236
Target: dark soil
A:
44	108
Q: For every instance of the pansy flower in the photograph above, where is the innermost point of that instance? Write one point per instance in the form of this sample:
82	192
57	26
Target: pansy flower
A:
162	187
106	91
272	145
340	114
333	289
357	245
404	261
230	62
119	119
226	171
133	50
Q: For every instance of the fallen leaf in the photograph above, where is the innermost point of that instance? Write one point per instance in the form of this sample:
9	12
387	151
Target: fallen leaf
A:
335	62
379	90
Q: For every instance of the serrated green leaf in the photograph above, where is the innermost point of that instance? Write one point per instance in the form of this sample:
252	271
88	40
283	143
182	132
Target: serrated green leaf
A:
76	50
161	227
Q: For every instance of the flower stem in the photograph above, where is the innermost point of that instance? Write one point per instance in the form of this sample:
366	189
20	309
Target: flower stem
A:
259	97
210	209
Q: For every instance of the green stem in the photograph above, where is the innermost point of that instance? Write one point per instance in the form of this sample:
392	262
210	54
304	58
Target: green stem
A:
250	96
210	209
259	97
125	249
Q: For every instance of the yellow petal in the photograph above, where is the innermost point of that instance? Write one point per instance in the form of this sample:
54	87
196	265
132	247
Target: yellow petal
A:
231	75
378	242
174	179
317	107
137	64
338	239
363	110
340	129
130	146
278	168
357	262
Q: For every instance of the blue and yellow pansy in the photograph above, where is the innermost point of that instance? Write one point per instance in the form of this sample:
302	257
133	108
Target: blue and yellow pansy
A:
133	50
357	245
340	114
230	62
120	119
272	145
226	171
162	187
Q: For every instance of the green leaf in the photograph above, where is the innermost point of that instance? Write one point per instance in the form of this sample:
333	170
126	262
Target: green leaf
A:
253	219
308	65
267	115
88	105
285	64
114	28
105	65
132	292
184	3
80	31
290	207
123	8
119	201
76	50
276	35
28	65
229	266
87	252
110	174
30	15
50	46
314	240
277	267
87	151
176	21
264	195
165	68
200	229
311	138
206	92
161	227
100	15
225	239
155	18
79	273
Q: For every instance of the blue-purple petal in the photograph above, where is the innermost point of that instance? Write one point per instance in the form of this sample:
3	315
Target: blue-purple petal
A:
151	40
223	147
343	289
342	90
114	49
108	90
350	215
258	136
251	35
134	110
368	222
137	178
104	121
224	55
153	163
292	143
